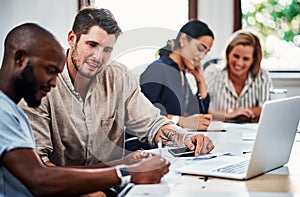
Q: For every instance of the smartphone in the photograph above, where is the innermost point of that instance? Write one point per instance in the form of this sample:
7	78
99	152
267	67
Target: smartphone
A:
182	152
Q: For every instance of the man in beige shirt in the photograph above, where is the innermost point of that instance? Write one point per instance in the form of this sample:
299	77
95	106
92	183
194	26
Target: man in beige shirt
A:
31	62
82	121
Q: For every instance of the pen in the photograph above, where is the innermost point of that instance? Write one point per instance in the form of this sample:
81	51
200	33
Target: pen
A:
202	108
205	178
206	157
208	130
142	152
159	145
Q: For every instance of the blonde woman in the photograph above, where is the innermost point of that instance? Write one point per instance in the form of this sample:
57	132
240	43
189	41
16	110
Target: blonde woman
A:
239	90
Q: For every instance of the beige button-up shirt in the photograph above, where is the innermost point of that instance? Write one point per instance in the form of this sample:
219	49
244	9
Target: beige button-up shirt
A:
70	131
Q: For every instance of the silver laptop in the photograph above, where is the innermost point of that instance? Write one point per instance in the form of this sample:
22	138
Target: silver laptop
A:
272	148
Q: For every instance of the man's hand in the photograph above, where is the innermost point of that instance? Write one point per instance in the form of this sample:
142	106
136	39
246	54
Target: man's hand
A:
134	157
172	135
149	171
199	142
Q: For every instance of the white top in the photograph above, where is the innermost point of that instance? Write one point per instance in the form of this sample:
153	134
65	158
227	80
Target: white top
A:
224	97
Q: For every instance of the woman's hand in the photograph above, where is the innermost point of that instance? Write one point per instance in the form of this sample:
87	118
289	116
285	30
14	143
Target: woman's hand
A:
198	74
197	121
239	112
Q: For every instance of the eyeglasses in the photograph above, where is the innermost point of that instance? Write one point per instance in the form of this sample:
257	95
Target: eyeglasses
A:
202	49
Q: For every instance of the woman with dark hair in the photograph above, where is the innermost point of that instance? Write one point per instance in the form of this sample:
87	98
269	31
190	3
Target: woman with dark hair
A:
239	90
165	84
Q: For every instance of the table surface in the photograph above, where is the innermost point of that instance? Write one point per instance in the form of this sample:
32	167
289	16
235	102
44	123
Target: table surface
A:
239	138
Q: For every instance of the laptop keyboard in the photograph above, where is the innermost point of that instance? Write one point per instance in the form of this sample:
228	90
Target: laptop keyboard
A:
237	168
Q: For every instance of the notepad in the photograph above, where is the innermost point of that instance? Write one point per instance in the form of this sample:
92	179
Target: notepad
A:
215	126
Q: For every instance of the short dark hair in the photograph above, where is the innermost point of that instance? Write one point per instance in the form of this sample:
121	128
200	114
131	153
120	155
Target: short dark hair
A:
88	17
30	37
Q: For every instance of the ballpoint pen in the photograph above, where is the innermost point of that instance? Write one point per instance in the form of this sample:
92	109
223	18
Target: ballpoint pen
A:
208	130
202	108
159	145
210	156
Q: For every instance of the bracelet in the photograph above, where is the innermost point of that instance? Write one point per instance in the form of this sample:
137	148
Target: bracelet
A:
124	174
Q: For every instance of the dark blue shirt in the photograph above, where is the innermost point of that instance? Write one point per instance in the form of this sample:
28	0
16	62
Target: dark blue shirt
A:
161	84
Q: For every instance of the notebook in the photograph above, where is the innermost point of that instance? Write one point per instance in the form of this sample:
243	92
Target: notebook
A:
275	136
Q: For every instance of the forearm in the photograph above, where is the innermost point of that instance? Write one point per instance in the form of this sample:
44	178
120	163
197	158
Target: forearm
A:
60	180
218	115
108	164
202	90
46	181
98	165
171	135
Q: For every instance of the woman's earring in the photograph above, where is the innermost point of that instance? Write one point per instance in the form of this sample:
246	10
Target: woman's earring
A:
181	45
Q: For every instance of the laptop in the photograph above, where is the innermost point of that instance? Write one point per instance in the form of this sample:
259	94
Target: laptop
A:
275	136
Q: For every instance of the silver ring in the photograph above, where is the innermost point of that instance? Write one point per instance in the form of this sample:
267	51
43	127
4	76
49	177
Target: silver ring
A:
207	147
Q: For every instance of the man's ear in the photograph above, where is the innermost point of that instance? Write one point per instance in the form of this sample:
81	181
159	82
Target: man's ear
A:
72	38
20	56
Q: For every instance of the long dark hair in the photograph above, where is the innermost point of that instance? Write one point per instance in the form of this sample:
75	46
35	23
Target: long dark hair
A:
193	28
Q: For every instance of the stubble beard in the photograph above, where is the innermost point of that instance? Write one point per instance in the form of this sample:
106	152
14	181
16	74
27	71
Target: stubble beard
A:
80	69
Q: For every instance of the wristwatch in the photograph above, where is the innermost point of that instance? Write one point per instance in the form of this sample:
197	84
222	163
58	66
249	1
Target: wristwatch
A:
124	174
175	119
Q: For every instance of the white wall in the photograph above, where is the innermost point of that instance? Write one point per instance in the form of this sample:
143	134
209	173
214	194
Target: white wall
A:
218	14
58	15
219	17
55	15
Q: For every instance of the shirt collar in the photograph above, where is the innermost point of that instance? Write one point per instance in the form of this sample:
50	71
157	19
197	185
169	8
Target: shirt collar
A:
228	83
168	61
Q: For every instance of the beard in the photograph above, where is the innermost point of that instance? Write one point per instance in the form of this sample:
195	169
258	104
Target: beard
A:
80	69
26	86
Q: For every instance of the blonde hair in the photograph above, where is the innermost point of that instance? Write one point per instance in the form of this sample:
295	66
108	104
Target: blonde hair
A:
246	38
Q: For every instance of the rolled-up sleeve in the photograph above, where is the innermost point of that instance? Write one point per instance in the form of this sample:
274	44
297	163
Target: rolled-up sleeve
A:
141	116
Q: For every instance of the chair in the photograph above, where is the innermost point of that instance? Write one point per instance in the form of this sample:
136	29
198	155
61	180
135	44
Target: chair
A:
211	61
132	143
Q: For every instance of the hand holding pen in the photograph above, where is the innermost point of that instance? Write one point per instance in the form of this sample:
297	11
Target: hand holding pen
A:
159	145
133	157
196	121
